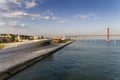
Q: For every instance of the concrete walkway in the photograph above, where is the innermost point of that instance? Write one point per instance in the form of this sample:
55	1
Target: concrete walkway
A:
14	44
12	58
22	58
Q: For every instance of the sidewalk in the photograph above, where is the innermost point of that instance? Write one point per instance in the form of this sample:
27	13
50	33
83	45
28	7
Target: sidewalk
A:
18	60
14	44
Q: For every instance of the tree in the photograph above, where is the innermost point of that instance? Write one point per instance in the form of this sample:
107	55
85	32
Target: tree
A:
12	38
42	37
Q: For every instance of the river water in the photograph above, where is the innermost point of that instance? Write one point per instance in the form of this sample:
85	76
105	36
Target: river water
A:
81	60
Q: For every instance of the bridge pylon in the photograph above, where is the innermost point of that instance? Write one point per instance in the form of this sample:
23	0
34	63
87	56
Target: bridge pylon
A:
108	34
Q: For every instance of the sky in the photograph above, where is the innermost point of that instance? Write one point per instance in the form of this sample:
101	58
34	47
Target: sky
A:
58	17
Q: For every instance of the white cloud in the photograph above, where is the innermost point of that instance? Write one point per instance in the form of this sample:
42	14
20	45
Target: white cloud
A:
96	17
10	5
42	1
31	4
22	14
63	21
16	9
48	12
55	18
22	25
12	24
2	23
11	10
3	4
82	17
45	17
17	2
17	14
86	17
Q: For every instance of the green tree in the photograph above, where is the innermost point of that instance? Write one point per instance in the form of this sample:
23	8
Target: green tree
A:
42	37
12	38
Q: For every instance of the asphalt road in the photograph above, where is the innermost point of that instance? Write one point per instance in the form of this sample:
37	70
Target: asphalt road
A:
17	56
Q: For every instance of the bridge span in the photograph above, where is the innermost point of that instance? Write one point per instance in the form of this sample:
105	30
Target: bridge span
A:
105	34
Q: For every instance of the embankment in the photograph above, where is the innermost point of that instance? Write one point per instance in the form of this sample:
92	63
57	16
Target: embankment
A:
29	60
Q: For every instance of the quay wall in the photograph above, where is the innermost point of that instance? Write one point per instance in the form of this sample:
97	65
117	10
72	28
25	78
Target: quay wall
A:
40	55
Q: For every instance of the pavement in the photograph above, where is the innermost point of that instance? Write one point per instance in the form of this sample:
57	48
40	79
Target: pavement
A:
12	58
14	44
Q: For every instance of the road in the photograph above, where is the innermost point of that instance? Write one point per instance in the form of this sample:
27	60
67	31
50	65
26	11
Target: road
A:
13	44
8	59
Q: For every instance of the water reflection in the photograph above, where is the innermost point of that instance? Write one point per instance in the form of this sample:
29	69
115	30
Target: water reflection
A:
82	60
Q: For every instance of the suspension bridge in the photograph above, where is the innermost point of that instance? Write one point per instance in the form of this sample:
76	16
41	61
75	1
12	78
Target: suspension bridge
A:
104	34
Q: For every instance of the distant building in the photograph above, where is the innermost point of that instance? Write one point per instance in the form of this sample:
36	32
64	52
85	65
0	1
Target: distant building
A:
63	38
24	37
5	37
15	37
36	37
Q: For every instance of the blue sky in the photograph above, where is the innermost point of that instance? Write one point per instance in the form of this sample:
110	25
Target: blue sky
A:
58	17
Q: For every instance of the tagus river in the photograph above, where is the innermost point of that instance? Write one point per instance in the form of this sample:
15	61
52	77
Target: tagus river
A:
81	60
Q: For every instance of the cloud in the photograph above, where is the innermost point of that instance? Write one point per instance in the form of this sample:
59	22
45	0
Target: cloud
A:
12	24
17	25
82	17
22	25
17	9
19	14
48	12
31	4
63	21
45	17
96	17
22	14
17	2
2	23
86	17
10	5
54	18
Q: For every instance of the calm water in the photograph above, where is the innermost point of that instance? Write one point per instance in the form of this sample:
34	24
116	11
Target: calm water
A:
81	60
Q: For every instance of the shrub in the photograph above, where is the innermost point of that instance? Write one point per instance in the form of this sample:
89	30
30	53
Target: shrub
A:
2	46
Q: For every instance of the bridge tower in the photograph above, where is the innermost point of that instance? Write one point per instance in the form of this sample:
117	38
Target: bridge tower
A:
108	34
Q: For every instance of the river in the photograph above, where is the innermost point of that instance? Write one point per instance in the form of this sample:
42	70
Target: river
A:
81	60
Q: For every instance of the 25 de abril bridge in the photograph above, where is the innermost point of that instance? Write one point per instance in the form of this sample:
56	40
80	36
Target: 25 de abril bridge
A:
104	34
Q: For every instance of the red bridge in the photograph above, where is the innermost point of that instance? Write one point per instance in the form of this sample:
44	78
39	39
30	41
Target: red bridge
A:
108	34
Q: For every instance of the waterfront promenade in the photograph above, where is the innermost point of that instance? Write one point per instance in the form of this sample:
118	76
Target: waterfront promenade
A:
15	44
23	58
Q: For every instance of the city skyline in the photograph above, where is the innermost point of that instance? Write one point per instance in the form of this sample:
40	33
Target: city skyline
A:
58	17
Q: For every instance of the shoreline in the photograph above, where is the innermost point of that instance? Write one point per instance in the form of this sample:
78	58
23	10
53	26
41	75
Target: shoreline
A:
37	56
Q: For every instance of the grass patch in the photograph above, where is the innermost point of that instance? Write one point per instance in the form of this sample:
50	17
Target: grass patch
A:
61	41
2	46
